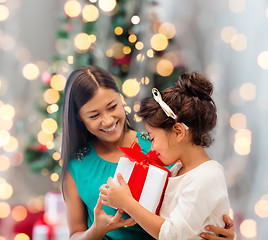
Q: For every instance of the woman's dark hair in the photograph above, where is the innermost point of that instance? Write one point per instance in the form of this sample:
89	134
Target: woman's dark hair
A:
81	86
190	99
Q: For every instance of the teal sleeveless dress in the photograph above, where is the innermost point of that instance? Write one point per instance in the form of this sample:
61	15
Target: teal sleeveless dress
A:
93	171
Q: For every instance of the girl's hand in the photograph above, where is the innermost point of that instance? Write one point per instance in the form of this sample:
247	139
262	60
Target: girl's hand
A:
104	223
227	232
114	195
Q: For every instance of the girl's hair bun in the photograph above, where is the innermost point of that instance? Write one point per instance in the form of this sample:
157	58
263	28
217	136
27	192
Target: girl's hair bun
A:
196	85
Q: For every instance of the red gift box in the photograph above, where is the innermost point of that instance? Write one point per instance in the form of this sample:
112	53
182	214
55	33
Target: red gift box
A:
145	175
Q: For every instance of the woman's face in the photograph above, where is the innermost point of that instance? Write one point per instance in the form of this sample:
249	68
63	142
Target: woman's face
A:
104	115
164	144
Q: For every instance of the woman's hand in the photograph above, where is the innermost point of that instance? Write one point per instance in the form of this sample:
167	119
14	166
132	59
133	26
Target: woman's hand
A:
227	232
114	195
104	223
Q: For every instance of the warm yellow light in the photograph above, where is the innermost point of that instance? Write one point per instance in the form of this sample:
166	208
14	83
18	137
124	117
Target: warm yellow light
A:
118	30
145	81
131	87
58	82
227	33
50	145
51	96
168	29
127	109
2	238
150	53
132	38
237	6
19	213
44	172
164	67
56	156
140	57
4	137
12	145
6	191
263	60
137	106
7	112
107	5
90	13
238	121
109	53
248	228
35	205
44	138
4	163
70	59
52	108
248	91
242	142
54	177
261	207
4	13
30	71
92	38
4	209
72	8
117	48
21	236
136	118
139	45
82	42
135	19
49	125
159	42
126	50
239	42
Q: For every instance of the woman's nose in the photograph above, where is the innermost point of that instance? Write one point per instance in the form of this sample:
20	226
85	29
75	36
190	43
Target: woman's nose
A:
107	120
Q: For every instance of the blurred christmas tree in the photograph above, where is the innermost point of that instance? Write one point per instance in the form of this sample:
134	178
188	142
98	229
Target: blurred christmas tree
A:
124	37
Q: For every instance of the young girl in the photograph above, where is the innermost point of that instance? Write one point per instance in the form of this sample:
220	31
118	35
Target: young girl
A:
196	194
94	124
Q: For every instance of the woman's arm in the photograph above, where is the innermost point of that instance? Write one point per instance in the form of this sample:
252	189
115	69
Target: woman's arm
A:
77	217
227	232
120	197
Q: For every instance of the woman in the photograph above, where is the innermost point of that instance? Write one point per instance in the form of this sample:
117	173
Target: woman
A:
94	124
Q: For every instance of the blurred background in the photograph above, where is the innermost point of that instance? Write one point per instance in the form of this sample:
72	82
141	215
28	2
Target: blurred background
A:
143	44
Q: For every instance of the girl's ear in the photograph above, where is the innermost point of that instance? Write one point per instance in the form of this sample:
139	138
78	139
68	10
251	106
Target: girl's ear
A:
179	130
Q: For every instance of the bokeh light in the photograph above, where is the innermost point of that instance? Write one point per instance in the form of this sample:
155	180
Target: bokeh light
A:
44	138
159	42
239	42
131	87
6	191
227	33
4	137
248	91
237	6
72	8
54	177
7	112
261	207
58	82
21	236
4	209
167	29
49	125
90	13
30	71
82	42
118	30
51	96
135	19
12	144
19	213
4	163
164	67
238	121
263	60
4	13
242	144
107	5
248	228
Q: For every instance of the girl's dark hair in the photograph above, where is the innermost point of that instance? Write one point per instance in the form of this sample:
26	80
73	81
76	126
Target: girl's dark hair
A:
81	86
190	99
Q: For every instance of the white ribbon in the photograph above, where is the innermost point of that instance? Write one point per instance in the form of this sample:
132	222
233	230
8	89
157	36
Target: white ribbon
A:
168	111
